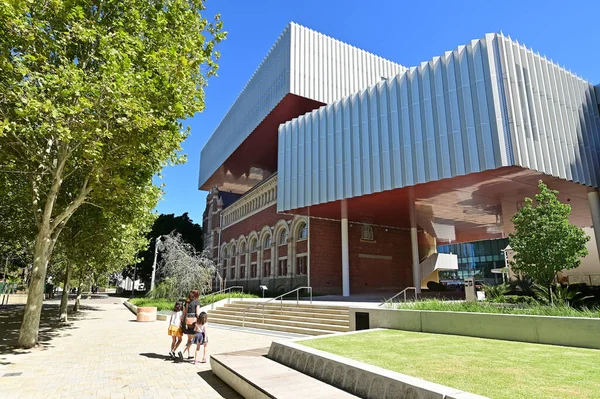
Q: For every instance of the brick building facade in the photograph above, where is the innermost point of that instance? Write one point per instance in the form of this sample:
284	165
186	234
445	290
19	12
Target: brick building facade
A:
254	245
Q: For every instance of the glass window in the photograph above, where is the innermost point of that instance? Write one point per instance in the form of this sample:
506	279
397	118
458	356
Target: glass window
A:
283	237
282	267
267	242
267	269
301	265
303	232
367	233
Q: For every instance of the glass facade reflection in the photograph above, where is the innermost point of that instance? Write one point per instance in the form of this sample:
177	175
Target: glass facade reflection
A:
475	259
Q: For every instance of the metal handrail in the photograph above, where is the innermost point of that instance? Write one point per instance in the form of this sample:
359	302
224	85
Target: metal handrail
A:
280	297
224	290
403	292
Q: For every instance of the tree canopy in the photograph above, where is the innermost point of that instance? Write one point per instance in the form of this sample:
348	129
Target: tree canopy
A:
544	241
92	94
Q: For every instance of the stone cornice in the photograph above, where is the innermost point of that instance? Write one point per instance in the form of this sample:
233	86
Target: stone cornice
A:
260	197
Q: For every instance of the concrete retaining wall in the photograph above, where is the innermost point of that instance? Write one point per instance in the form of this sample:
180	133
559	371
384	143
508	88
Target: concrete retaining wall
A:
360	379
568	331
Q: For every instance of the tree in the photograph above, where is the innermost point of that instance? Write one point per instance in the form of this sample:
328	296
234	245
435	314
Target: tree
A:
190	232
96	243
544	241
184	269
91	98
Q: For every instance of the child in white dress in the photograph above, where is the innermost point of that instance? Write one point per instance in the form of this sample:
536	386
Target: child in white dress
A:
175	331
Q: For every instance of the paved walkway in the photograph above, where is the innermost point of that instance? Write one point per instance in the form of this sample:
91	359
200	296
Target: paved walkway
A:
104	353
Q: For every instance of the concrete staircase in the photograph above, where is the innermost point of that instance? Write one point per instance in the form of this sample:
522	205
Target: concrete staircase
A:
298	319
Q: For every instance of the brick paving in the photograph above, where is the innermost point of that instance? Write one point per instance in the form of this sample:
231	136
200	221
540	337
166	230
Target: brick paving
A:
104	353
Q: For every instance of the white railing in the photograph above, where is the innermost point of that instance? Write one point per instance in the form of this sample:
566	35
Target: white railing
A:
403	293
228	289
280	297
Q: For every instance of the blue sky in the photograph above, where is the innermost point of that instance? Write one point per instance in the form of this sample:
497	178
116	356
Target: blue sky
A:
402	31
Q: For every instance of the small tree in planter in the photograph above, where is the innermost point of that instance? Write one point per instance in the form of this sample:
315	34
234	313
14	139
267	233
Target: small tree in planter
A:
544	241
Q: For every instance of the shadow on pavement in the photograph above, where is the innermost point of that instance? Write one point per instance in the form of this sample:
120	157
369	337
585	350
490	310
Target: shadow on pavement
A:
157	356
218	385
10	323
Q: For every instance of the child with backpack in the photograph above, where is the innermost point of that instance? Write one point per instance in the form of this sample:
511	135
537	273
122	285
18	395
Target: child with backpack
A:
200	339
175	331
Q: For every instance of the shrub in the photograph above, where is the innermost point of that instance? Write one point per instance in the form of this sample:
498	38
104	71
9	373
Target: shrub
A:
494	292
516	300
169	304
485	307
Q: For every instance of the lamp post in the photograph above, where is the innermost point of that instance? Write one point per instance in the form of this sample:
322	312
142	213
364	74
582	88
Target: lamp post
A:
154	263
133	282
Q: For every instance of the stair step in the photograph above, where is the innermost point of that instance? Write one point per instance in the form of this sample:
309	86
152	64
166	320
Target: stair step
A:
270	313
272	327
292	304
253	375
304	318
338	311
285	323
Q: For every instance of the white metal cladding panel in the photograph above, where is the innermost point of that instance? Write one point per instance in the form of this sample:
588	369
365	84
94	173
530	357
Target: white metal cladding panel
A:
441	119
552	114
265	89
325	69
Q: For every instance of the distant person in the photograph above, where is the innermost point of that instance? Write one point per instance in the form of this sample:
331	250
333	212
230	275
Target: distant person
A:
190	316
200	339
175	331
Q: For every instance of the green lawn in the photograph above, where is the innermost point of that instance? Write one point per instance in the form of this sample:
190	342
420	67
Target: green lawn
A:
493	368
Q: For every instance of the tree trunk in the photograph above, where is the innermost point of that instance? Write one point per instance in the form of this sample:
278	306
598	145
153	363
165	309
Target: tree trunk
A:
28	335
64	300
550	295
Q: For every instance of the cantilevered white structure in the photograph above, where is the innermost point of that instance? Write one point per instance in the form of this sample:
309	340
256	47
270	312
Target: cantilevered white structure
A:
442	152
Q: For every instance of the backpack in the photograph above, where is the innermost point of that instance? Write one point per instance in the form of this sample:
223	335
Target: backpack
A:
191	318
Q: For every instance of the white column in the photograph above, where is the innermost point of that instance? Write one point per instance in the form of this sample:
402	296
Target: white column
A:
414	245
345	252
308	251
594	200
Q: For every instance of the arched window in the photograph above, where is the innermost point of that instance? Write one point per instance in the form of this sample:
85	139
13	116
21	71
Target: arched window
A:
253	245
267	242
302	231
224	254
232	254
367	233
283	237
242	248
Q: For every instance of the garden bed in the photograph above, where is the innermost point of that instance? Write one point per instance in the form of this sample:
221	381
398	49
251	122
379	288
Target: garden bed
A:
498	308
165	306
486	367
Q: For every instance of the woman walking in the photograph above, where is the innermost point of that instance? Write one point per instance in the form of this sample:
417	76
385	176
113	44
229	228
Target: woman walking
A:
190	316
